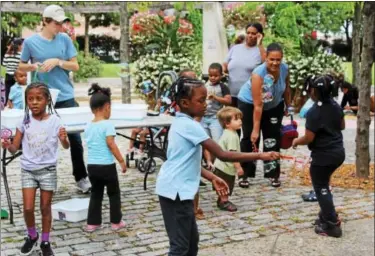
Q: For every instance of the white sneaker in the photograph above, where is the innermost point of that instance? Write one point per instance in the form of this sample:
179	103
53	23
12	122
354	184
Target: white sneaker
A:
84	185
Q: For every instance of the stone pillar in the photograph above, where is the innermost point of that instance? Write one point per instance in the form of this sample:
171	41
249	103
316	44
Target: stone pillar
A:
215	46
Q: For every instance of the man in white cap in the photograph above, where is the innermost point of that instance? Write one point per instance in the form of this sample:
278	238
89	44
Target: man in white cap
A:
53	56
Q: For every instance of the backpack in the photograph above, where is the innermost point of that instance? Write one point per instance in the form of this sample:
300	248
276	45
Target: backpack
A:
288	134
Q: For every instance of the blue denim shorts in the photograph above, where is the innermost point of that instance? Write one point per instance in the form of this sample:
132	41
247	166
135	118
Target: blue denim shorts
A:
45	178
212	126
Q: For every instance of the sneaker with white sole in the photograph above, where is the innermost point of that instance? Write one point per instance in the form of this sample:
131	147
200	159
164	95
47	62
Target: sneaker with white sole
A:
29	246
84	185
118	226
92	228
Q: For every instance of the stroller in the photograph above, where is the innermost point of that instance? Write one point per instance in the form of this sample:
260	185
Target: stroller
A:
147	164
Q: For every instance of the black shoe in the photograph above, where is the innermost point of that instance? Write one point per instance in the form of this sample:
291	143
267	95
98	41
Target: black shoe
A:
45	247
309	197
275	182
328	228
29	245
320	219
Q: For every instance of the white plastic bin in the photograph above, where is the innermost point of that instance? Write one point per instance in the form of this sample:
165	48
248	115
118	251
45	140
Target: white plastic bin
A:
75	116
10	118
128	111
54	94
73	210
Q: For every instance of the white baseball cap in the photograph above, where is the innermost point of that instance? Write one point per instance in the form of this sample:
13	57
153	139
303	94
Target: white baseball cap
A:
54	12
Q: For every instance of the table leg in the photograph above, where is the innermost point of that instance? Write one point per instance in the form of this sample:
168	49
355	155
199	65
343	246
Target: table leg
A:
6	186
150	156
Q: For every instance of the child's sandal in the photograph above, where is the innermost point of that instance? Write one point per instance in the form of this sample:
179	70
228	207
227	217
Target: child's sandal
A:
227	206
199	215
243	183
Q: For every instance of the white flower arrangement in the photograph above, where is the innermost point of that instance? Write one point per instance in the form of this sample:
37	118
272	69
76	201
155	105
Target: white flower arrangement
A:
149	66
300	67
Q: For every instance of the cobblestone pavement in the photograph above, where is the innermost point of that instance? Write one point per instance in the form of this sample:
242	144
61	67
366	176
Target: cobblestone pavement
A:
263	211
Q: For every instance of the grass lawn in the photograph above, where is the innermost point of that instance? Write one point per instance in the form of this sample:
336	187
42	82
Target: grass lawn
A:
349	72
2	71
109	70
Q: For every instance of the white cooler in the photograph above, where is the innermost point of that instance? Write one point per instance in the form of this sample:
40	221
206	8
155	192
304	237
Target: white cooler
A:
128	111
75	116
10	118
72	210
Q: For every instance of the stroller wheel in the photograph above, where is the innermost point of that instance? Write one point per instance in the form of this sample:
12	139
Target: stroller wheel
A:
152	167
141	164
144	162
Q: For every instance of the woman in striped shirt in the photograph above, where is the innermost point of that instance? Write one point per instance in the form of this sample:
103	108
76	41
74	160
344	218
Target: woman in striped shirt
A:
10	62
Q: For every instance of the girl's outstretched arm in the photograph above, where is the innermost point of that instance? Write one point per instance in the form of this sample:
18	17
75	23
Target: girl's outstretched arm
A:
230	156
305	139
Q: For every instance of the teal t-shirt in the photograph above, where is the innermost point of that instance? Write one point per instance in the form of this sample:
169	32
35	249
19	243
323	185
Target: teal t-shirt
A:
273	91
95	135
38	49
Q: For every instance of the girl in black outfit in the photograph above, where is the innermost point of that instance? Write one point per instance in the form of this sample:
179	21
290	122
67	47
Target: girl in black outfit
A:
324	122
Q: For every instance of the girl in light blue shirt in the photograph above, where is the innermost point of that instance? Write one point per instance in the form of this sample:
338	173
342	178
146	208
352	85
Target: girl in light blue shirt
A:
178	179
102	149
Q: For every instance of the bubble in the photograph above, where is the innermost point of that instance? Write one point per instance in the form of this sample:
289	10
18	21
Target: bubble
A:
270	166
269	143
273	120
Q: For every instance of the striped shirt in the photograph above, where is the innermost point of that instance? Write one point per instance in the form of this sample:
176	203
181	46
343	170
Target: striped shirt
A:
11	62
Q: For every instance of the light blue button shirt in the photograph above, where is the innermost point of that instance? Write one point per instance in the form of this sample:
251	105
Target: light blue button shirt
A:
180	174
95	135
15	96
273	91
39	49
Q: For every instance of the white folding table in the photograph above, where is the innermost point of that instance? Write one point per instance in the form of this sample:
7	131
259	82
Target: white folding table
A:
154	151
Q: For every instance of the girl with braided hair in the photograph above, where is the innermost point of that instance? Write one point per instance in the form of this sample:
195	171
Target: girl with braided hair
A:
178	179
324	123
39	133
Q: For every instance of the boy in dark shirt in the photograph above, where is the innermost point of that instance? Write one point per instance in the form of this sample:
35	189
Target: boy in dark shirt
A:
351	96
324	122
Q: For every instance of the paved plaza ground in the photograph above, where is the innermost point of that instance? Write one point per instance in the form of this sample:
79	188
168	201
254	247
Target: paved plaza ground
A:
269	221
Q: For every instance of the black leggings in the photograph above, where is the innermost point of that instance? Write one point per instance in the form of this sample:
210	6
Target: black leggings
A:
235	105
320	177
104	176
9	82
270	126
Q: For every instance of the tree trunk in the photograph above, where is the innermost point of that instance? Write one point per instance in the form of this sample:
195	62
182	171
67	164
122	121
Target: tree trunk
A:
124	51
364	86
356	42
87	40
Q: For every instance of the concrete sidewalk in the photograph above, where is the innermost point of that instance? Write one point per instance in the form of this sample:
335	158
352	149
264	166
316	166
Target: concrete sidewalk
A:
358	239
